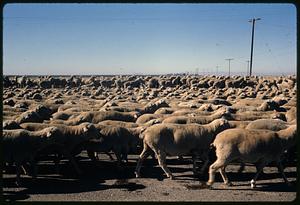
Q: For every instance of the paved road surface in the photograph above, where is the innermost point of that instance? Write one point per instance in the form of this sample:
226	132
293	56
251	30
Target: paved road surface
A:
104	182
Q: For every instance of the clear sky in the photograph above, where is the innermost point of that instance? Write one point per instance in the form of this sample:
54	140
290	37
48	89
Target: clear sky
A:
147	38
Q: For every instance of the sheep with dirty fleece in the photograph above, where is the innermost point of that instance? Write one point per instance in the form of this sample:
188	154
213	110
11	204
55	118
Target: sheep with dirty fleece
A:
69	139
253	146
20	146
98	116
196	119
178	140
268	124
118	139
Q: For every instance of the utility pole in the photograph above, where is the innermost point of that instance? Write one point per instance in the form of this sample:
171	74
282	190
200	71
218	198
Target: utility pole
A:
197	71
229	59
247	67
217	69
251	55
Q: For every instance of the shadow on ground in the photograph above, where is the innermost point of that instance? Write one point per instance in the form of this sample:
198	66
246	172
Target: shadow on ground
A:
95	175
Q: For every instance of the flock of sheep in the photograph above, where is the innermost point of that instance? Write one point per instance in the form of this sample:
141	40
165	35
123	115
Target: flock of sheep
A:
242	119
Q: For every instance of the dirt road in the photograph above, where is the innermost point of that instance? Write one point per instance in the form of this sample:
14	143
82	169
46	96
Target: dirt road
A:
105	182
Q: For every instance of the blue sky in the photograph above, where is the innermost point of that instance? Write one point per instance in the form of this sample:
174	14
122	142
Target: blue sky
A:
147	38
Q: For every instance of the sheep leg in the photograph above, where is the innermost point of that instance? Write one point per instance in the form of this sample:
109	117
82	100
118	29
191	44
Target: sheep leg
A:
23	170
194	164
224	176
242	167
180	158
56	163
259	168
18	173
152	155
124	157
119	158
92	155
280	168
73	162
110	156
145	153
161	157
206	158
34	168
213	169
125	152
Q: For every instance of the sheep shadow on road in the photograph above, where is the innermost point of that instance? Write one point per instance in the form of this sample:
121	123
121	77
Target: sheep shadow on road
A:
95	175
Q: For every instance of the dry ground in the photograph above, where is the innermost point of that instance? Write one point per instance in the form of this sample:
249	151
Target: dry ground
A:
103	181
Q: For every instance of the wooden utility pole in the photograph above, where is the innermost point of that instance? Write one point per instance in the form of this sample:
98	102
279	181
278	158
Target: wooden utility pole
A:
247	67
252	39
229	59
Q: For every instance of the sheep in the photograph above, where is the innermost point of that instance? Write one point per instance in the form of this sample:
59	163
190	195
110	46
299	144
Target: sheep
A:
63	115
291	114
118	139
238	124
152	107
28	116
20	146
118	123
147	117
250	116
10	125
98	116
195	119
34	126
250	145
178	140
69	139
38	114
269	124
128	124
164	110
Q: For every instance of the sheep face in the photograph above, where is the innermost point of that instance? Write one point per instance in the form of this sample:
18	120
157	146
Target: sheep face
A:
136	116
280	116
48	136
90	131
221	125
291	135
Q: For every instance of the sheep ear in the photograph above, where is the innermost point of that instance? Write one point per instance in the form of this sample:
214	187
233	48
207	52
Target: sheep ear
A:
86	128
49	133
156	121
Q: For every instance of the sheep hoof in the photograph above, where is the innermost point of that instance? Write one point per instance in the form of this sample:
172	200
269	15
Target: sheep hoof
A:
253	185
228	184
18	183
137	175
208	185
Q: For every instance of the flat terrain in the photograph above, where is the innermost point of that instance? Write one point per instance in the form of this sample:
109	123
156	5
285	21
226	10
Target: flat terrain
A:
142	101
103	181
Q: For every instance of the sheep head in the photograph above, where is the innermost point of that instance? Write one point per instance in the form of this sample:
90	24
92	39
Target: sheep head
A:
220	125
90	131
288	136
